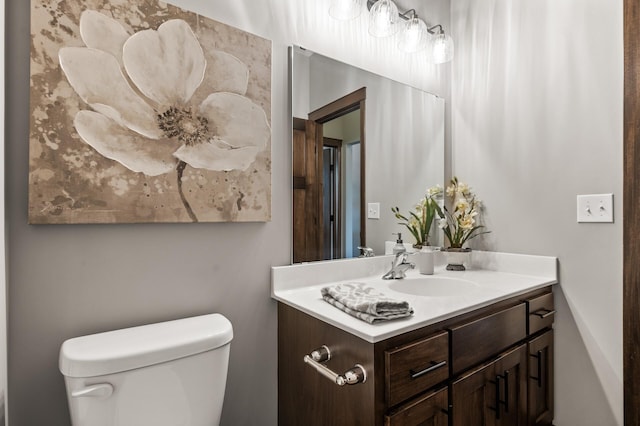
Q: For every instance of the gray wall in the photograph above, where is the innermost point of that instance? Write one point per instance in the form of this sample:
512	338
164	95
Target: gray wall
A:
537	119
66	281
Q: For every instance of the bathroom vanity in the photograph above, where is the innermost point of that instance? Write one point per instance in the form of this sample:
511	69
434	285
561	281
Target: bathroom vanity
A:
475	355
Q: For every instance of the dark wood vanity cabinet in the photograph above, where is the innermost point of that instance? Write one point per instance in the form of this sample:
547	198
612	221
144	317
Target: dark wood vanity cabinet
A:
491	366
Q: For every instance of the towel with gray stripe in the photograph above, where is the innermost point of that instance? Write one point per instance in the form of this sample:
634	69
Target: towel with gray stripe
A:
365	303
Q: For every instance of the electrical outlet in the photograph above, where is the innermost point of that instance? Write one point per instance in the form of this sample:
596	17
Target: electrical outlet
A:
595	208
373	211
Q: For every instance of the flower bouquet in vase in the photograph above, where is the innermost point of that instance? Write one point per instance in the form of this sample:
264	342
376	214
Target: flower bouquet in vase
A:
420	219
460	223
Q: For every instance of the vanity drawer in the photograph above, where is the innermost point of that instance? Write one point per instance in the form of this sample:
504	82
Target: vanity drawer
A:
430	409
541	312
415	367
476	341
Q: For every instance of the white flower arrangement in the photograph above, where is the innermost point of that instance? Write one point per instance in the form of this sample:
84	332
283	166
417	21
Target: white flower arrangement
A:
460	225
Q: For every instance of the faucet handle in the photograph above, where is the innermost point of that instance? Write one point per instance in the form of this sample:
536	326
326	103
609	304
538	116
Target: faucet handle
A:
366	251
402	257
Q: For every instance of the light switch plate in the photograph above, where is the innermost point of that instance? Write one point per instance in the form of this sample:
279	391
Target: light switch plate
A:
373	211
595	208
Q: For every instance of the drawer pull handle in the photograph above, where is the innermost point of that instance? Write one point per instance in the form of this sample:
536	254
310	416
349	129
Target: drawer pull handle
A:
434	366
353	376
544	313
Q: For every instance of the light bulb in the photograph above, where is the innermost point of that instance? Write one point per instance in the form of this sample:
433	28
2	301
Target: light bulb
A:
413	35
442	48
383	20
345	10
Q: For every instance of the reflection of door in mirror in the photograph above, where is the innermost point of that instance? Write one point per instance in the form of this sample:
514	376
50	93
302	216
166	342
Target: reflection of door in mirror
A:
332	195
328	213
342	186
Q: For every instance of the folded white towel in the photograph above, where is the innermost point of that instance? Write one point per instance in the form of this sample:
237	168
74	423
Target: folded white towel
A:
365	303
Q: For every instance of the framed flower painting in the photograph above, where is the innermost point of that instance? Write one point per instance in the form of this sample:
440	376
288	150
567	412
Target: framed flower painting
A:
144	112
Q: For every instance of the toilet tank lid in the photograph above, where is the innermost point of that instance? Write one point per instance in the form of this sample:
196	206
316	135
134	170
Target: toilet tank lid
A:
136	347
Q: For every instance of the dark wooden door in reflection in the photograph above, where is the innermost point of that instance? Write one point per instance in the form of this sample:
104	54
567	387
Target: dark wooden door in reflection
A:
307	191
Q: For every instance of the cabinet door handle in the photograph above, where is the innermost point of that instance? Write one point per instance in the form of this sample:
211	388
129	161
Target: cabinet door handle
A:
506	391
544	313
353	376
434	366
497	396
538	378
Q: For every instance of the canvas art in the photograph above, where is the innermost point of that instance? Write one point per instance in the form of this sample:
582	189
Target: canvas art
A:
144	112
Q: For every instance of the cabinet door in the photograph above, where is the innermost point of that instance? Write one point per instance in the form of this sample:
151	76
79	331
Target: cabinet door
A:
493	395
429	410
541	380
473	398
511	374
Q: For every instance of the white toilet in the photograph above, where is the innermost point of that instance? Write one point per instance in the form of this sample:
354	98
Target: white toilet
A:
167	374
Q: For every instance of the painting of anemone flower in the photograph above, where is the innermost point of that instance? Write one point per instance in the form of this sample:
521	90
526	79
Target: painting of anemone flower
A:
144	112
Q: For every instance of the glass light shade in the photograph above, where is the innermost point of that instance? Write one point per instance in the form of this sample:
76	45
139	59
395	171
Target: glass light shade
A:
383	19
413	35
442	48
345	10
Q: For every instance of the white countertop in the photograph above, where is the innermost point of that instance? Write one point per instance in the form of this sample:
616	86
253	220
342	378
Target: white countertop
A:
492	276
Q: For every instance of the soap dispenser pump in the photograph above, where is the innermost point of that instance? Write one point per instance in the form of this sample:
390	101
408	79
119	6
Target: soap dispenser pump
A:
399	247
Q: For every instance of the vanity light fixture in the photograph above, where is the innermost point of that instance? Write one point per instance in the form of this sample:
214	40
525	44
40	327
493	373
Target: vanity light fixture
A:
414	34
384	21
383	18
442	46
345	10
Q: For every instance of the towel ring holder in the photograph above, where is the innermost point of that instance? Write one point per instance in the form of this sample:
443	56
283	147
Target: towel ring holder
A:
353	376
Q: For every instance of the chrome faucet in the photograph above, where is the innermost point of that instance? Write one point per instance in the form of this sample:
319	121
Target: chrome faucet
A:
399	267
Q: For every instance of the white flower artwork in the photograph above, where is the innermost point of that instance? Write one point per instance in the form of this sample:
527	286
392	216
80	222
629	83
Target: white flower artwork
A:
146	113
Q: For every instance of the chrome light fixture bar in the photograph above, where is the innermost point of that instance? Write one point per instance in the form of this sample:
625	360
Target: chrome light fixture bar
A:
385	21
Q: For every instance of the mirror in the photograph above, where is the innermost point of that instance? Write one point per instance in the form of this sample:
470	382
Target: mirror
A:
358	138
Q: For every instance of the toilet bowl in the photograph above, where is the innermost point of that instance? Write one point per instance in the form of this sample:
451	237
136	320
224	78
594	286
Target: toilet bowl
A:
167	374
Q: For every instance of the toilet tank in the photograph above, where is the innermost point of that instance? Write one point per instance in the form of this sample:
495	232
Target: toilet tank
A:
166	374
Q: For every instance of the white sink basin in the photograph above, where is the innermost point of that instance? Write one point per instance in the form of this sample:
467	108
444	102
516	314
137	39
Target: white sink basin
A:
434	286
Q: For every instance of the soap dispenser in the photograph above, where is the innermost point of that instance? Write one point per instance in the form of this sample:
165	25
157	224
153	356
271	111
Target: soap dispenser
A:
399	247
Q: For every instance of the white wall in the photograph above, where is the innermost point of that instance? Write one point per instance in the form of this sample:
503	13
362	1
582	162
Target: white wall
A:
537	98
